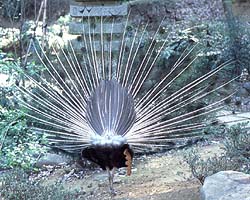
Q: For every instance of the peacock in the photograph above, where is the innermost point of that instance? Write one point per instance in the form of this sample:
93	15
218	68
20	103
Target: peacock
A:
96	103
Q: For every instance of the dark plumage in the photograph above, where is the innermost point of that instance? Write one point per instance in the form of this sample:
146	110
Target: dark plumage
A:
107	156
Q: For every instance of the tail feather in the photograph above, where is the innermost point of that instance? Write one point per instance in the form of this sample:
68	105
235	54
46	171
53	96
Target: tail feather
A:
110	109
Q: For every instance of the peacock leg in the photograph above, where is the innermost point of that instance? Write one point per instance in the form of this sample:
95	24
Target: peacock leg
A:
111	180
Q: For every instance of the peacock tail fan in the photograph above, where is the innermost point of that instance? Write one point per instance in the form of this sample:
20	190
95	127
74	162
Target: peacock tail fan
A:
119	89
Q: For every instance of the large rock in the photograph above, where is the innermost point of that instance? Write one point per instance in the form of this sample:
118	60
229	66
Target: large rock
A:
226	185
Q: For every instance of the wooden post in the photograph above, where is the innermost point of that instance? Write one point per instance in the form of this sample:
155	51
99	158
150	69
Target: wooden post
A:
44	24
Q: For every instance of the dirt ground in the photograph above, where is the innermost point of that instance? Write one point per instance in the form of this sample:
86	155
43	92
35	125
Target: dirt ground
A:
155	177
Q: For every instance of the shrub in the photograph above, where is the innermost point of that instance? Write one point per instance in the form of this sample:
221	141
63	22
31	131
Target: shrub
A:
16	185
202	168
19	146
236	156
237	146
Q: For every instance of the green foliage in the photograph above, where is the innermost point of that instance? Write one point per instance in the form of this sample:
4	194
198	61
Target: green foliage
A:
235	157
15	74
201	168
205	40
237	43
20	147
16	185
10	9
237	146
64	20
214	131
217	44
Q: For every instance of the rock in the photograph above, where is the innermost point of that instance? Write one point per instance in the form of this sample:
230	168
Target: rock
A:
53	160
226	185
246	85
243	92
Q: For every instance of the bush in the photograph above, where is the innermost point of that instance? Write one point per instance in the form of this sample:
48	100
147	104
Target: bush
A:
16	185
202	168
236	156
237	146
19	146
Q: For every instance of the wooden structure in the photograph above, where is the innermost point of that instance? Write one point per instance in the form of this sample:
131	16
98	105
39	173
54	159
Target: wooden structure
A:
86	16
98	10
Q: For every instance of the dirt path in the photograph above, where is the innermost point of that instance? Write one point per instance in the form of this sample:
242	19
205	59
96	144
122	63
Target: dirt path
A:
158	177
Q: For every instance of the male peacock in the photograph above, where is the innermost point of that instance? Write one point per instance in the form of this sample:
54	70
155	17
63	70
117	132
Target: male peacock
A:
99	107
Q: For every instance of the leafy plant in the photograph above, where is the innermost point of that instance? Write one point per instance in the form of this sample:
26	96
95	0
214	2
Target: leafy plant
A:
201	168
236	156
19	146
16	185
237	146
